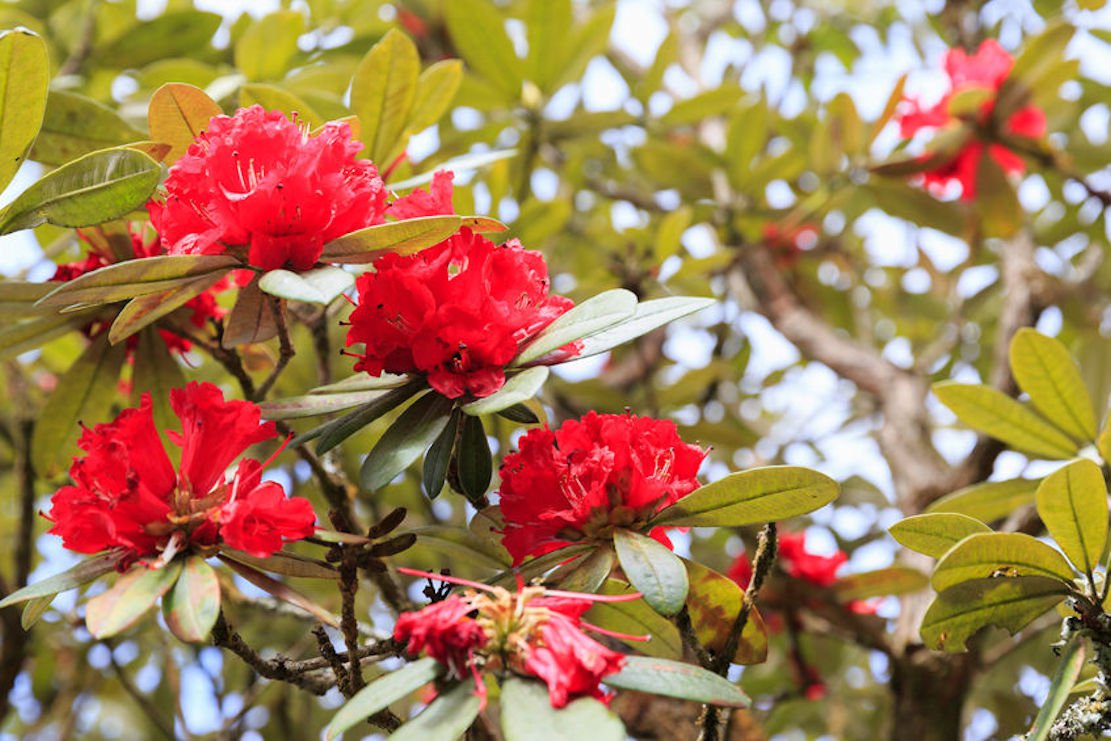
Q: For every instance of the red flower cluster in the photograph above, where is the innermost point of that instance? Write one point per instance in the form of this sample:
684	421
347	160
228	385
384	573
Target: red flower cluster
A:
457	312
797	561
590	476
204	306
258	179
986	69
533	632
127	495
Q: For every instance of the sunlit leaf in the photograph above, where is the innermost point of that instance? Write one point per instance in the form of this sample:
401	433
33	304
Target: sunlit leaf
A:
934	534
133	595
24	79
1012	604
1072	502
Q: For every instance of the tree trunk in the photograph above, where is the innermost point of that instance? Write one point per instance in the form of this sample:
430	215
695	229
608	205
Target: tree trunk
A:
929	692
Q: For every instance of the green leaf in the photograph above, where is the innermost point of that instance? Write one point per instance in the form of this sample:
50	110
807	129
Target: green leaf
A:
378	695
713	102
446	719
156	371
677	679
83	395
458	165
436	91
274	98
280	590
252	317
591	316
989	501
473	457
133	594
587	573
177	114
285	563
193	604
318	286
1072	502
74	126
73	577
518	388
143	311
363	382
934	534
519	413
267	48
749	497
96	188
992	412
408	437
313	405
24	80
478	32
635	618
1012	604
177	33
438	458
714	603
401	237
338	430
34	609
382	94
1070	663
648	316
997	203
19	337
527	715
1045	370
986	555
462	544
653	570
127	280
893	580
549	36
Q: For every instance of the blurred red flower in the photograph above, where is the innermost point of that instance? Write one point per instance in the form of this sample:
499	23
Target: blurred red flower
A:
986	69
590	476
257	179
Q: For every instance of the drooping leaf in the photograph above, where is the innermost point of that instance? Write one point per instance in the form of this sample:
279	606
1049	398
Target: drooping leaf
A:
587	573
997	203
1045	370
1010	603
191	607
934	534
285	563
527	715
677	679
714	603
98	187
251	319
281	591
989	501
408	437
1072	502
984	555
382	94
591	316
317	286
313	405
155	371
437	460
177	114
34	609
333	433
474	459
378	695
24	80
749	497
636	618
446	718
994	413
143	311
132	278
478	33
133	594
74	125
653	570
518	388
893	580
73	577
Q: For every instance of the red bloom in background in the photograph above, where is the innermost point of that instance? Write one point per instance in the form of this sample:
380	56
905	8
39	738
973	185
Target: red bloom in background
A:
127	495
590	476
800	563
203	307
257	179
986	69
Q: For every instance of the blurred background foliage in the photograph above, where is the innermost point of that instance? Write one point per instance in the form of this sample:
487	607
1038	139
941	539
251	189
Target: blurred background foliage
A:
698	147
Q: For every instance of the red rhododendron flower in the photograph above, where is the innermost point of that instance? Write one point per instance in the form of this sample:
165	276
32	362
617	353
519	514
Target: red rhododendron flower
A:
203	307
590	476
258	180
986	69
533	632
127	495
800	563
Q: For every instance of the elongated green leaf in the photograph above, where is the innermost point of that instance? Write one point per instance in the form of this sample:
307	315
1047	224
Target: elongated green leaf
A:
285	563
267	48
591	316
338	430
177	114
156	372
362	382
459	543
1012	604
585	574
18	297
274	98
251	319
1072	503
192	606
378	695
436	91
438	458
408	437
74	126
382	94
539	567
527	715
143	277
24	79
653	570
997	203
518	388
83	394
649	315
677	679
98	187
989	501
934	534
893	580
281	591
19	337
635	618
172	34
1070	663
318	286
714	603
461	164
133	594
549	40
478	32
298	407
1045	370
520	413
753	496
34	609
73	577
994	413
473	458
143	311
446	719
984	555
401	237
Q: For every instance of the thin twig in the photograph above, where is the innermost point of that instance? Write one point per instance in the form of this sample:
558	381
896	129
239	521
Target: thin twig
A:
285	350
144	702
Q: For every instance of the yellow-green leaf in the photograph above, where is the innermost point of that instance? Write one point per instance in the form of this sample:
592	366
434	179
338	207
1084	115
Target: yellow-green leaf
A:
74	125
177	114
382	94
989	501
957	613
478	31
1072	503
274	98
1045	370
934	534
986	555
653	570
24	78
436	91
193	604
133	594
267	48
